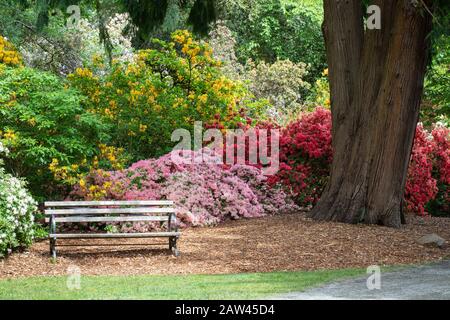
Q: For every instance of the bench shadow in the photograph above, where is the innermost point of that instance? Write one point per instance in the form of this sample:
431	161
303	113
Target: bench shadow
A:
128	253
83	251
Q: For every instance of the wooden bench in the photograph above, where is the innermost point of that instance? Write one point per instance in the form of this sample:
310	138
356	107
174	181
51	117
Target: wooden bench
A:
112	211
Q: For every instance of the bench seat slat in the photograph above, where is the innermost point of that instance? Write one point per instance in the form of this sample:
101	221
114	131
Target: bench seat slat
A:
115	235
110	219
82	211
107	203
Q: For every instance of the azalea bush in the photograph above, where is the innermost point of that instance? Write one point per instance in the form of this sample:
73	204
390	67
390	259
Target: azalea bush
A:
162	89
8	53
17	209
305	156
305	153
205	193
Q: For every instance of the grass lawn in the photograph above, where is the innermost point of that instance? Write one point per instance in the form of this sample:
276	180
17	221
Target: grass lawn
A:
237	286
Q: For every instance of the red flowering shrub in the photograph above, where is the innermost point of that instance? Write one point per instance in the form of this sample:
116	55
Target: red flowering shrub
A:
304	152
252	141
442	152
305	156
440	205
420	185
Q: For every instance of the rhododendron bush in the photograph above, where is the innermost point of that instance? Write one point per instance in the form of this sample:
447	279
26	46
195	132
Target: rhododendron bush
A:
306	153
305	156
161	90
204	193
429	172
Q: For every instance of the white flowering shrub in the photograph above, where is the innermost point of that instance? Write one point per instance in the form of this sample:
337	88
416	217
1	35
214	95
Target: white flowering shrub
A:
3	151
222	41
17	209
283	84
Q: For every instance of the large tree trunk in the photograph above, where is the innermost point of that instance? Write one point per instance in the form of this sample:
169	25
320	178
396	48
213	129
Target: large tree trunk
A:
376	82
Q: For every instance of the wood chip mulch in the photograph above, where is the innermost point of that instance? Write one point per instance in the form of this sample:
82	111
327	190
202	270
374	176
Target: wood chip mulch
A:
279	243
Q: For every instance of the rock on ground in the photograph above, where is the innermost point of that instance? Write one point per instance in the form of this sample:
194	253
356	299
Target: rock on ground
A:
432	239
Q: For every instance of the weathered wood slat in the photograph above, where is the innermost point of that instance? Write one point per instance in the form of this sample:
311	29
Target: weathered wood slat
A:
107	203
110	219
115	235
83	211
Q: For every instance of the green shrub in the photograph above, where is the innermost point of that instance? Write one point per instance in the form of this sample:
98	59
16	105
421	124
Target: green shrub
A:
282	84
41	120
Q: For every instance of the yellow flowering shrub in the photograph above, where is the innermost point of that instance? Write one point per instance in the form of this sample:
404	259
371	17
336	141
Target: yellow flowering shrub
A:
8	53
162	89
109	158
98	185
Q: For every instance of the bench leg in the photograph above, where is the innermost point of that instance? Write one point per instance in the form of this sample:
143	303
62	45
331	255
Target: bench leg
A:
173	246
53	248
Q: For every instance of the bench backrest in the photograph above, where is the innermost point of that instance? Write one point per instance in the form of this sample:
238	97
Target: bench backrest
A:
99	211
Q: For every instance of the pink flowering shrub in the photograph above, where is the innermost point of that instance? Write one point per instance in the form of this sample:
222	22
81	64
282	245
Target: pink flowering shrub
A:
257	145
205	192
210	195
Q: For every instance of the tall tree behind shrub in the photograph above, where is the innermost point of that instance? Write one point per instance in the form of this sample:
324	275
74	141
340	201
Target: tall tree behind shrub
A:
437	94
270	30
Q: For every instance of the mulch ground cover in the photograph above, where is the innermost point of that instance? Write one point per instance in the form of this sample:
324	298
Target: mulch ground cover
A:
278	243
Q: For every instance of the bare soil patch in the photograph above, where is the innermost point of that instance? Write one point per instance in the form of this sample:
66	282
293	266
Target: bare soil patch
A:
279	243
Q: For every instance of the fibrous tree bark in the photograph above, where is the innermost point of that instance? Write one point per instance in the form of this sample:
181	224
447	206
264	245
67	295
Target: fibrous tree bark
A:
376	83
